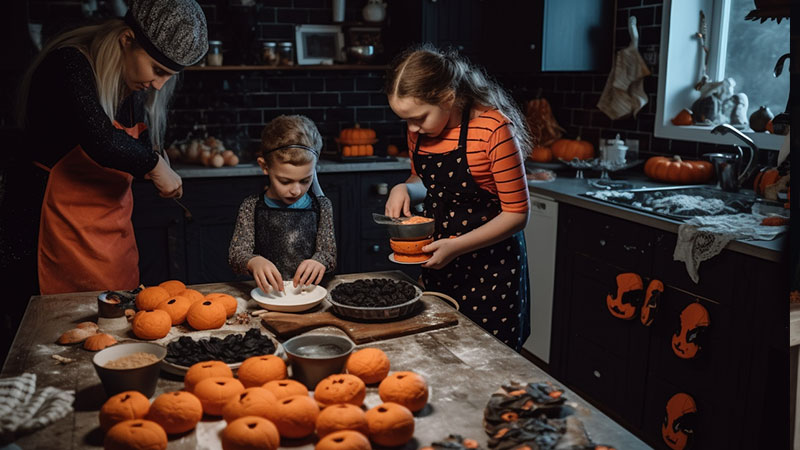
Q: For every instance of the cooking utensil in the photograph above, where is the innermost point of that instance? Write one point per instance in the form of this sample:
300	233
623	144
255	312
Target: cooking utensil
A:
410	232
385	220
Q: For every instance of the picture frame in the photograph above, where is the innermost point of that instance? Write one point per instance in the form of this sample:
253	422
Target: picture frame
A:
319	44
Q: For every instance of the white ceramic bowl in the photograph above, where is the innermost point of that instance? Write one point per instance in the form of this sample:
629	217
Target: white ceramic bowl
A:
291	299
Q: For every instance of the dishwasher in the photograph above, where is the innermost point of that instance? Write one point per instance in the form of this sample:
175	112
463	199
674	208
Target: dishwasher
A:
540	236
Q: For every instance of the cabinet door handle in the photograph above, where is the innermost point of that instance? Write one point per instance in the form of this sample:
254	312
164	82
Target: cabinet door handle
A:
376	248
596	374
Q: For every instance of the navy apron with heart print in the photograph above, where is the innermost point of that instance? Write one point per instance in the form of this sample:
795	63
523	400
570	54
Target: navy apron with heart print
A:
286	236
491	283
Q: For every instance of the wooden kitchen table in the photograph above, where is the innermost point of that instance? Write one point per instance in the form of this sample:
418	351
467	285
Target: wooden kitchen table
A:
463	365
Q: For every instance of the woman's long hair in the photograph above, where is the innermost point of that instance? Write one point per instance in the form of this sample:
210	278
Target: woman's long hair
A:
100	44
429	75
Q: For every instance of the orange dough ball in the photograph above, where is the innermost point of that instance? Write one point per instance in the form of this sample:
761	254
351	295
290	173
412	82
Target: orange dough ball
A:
250	433
257	370
215	392
286	388
173	286
177	412
254	401
206	369
123	406
228	301
148	298
341	417
340	388
295	416
390	424
344	440
177	307
153	324
369	364
136	434
406	388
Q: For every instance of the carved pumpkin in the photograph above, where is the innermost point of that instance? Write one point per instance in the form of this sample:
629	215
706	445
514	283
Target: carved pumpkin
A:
177	412
286	388
177	307
341	417
390	424
192	295
206	315
254	401
228	301
215	392
405	388
173	286
136	434
765	178
677	430
123	406
344	440
675	170
98	342
340	388
153	324
250	433
628	298
295	416
542	154
257	370
651	298
206	369
357	135
568	149
687	340
148	298
370	364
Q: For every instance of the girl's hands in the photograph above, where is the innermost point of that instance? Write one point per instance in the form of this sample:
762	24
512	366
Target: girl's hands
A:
168	183
399	202
444	251
308	272
265	273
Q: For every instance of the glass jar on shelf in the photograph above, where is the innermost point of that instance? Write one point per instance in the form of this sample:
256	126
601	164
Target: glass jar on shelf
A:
214	57
269	53
285	54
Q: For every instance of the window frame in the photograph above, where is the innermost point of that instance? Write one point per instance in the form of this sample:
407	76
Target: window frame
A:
676	77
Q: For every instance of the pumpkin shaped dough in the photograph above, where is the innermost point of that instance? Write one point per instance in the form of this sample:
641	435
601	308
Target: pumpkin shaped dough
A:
206	315
177	412
257	370
172	286
254	401
341	417
228	301
206	369
98	342
405	388
215	392
390	424
250	433
177	307
344	440
123	406
192	295
285	388
370	364
148	298
340	388
295	416
153	324
136	434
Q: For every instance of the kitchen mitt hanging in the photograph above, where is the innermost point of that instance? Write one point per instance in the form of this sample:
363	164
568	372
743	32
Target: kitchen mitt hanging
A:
624	93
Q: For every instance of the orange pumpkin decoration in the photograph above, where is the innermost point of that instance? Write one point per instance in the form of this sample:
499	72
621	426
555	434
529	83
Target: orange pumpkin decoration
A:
173	286
410	251
406	388
153	324
542	154
341	417
177	307
286	388
177	412
136	434
765	177
228	301
370	364
676	170
206	369
257	370
392	150
254	401
148	298
295	416
628	297
206	315
215	392
568	149
250	433
390	424
98	342
358	150
340	388
357	135
123	406
344	440
683	118
192	295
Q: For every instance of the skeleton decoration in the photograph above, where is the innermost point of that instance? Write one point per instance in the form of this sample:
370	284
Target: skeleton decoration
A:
628	298
677	430
651	299
686	341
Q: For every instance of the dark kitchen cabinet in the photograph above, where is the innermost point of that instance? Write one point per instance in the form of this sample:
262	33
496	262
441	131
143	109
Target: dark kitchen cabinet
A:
630	371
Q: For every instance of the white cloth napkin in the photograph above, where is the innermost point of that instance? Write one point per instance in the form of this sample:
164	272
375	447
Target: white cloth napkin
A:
23	409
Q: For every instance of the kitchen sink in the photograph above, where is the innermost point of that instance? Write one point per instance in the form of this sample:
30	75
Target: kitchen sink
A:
684	202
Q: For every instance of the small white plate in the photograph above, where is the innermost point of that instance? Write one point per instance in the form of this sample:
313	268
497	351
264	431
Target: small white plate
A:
392	259
292	299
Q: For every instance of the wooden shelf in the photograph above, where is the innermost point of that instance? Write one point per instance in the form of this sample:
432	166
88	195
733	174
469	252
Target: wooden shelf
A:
364	67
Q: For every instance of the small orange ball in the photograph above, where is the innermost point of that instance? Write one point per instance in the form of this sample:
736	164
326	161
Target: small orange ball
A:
153	324
406	388
340	388
177	412
257	370
286	388
370	364
295	416
192	295
123	406
177	307
206	369
228	301
215	392
254	401
341	417
250	433
206	315
173	286
390	424
136	434
148	298
344	440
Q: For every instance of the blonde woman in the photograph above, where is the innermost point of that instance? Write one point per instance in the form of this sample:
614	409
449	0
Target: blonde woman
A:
94	113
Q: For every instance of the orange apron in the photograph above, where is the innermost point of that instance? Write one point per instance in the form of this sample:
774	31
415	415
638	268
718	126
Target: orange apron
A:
86	240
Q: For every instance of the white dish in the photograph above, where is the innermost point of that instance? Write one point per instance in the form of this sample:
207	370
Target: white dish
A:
292	299
392	259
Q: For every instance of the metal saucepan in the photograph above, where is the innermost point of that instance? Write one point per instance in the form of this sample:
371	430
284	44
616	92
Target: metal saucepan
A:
374	314
402	232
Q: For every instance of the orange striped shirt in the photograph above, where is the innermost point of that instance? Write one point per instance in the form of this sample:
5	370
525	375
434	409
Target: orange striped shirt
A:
493	157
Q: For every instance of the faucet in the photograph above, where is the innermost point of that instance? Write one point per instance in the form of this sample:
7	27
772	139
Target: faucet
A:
728	174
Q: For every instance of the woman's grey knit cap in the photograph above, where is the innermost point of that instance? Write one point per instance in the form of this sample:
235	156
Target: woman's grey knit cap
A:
173	32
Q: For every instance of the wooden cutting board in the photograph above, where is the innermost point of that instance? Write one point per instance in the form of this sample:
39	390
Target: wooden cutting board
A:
436	314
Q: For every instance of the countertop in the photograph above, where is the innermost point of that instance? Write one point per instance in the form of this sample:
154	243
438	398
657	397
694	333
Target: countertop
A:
463	365
323	166
566	189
